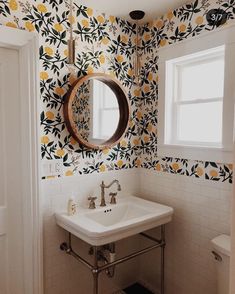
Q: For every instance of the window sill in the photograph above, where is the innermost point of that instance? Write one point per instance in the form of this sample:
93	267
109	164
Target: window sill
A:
220	155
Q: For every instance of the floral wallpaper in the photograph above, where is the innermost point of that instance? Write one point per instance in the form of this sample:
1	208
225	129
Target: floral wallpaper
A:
106	44
82	111
177	25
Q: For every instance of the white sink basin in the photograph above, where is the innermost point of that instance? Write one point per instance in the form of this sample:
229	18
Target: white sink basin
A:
119	213
130	216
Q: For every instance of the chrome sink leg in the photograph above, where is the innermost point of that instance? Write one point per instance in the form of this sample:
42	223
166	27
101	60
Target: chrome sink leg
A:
95	269
163	259
95	272
95	282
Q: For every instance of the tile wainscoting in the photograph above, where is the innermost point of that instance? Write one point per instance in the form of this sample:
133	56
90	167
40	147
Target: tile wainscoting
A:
62	273
201	212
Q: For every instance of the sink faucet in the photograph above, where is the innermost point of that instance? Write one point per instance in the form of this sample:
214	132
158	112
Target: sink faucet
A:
103	186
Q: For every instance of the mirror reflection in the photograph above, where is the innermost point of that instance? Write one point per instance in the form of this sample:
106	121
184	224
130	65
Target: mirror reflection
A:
95	111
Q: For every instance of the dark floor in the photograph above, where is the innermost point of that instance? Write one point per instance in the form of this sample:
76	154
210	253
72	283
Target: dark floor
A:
137	289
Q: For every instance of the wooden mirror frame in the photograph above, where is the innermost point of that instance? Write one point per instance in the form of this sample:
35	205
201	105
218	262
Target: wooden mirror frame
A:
124	110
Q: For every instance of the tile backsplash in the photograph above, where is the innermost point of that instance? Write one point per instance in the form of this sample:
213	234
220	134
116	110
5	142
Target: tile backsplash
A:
62	273
201	212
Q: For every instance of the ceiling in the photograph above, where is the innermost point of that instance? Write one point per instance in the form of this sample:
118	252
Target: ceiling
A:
121	8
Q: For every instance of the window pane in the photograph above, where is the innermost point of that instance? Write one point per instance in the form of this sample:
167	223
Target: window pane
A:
105	95
110	100
109	123
200	122
202	79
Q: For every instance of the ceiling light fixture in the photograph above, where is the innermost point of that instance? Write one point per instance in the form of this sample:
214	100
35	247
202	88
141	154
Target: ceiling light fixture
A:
137	15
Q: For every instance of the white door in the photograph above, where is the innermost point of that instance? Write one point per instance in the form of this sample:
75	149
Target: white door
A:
11	216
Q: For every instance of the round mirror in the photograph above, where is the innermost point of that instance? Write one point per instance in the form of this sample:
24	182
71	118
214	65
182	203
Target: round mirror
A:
96	111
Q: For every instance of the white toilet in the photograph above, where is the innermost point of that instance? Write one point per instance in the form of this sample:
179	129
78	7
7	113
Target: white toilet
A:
221	252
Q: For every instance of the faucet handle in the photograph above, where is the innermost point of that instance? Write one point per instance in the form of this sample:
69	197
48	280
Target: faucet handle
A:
92	202
113	198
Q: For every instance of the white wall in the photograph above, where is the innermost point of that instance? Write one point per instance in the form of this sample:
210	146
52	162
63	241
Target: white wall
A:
202	211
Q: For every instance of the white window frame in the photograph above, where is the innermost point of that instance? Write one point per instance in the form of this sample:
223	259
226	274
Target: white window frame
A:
221	37
173	93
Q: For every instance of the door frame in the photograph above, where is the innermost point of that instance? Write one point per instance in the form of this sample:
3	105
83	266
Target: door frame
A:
27	44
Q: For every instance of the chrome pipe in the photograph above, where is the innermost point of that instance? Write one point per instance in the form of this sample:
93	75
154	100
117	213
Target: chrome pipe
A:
79	258
70	240
69	250
128	257
95	269
95	272
150	237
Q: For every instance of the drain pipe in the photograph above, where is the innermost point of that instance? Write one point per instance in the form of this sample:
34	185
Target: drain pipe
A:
106	255
95	269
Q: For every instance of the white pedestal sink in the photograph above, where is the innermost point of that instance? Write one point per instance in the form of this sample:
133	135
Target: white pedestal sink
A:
130	216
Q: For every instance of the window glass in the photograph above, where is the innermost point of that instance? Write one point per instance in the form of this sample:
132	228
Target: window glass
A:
196	98
109	124
192	120
110	100
105	111
200	122
202	80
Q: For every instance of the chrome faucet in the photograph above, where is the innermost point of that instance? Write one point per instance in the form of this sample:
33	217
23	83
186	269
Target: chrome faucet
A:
103	186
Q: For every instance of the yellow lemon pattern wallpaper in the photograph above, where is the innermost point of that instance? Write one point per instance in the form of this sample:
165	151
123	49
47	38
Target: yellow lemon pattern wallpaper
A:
182	23
106	44
103	44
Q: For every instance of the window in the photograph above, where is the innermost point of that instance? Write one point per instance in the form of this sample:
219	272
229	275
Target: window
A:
105	111
195	102
196	98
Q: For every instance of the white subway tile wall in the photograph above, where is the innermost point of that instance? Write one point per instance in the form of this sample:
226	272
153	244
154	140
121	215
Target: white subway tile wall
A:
62	273
201	212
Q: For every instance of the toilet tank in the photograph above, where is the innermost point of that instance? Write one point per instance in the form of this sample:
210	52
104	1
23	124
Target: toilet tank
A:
221	251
